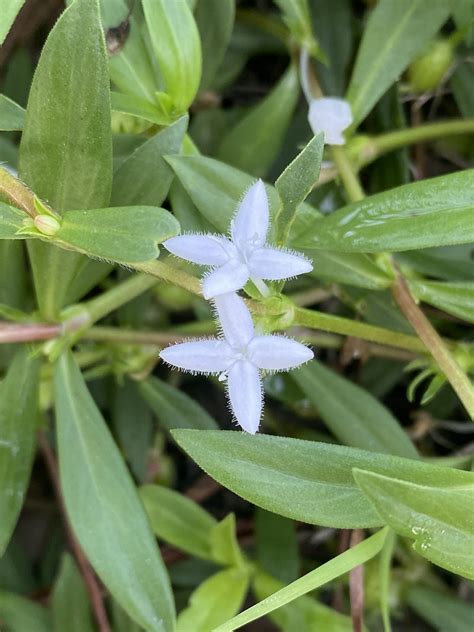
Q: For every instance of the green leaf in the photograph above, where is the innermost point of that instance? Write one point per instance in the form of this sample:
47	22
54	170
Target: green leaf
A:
215	20
455	298
70	602
177	47
130	65
436	212
253	143
127	234
224	544
138	107
296	183
304	613
145	177
336	567
23	615
10	9
350	268
444	612
438	514
277	546
215	601
66	146
18	417
104	508
303	480
395	33
352	414
11	220
178	520
12	116
298	19
174	408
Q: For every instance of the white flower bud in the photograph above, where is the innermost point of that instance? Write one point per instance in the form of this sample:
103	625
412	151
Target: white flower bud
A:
331	116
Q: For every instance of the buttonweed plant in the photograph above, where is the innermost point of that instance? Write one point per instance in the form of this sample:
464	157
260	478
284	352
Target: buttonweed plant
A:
236	188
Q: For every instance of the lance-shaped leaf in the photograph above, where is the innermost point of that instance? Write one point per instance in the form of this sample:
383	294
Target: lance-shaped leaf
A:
23	614
436	212
352	414
215	19
127	234
438	515
66	146
145	177
254	142
12	116
215	601
103	506
296	183
10	9
18	417
444	611
304	480
175	40
396	32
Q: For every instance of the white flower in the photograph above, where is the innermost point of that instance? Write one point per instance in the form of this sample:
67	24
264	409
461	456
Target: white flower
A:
331	116
245	255
239	356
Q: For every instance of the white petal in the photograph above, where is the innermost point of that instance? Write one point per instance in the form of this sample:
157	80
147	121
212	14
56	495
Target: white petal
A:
331	116
232	276
274	264
277	353
246	395
250	223
201	356
235	319
209	250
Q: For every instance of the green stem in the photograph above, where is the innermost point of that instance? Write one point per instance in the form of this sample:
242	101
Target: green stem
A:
348	174
119	295
347	327
379	145
167	273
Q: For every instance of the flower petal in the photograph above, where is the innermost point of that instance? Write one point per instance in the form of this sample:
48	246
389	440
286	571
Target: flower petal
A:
208	250
201	356
277	353
232	276
246	395
331	116
235	319
250	223
274	264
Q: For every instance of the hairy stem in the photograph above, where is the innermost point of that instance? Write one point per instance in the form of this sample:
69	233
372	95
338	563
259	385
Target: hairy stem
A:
17	193
166	272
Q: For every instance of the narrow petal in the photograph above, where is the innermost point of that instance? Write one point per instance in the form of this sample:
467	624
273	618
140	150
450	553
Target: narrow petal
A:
274	264
246	395
277	353
208	250
250	223
235	319
331	116
200	356
232	276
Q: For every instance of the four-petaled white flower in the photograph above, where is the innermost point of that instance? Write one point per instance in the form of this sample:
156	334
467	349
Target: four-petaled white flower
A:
331	116
239	356
245	255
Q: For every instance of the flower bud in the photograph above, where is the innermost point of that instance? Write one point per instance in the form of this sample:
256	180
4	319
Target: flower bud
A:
427	71
47	224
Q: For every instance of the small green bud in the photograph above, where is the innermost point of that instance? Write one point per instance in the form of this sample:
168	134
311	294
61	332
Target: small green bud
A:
427	71
47	224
